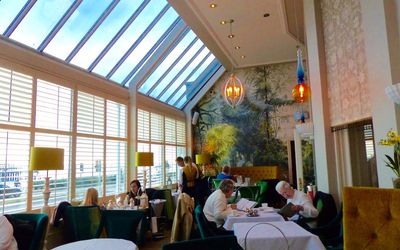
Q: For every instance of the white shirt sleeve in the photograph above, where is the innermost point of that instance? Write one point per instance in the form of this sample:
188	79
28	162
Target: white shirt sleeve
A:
7	241
180	178
302	199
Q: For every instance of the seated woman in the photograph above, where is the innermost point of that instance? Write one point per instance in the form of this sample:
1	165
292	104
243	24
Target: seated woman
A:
135	190
91	198
226	174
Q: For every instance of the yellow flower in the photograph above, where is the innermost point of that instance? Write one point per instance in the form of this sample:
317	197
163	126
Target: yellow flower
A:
393	139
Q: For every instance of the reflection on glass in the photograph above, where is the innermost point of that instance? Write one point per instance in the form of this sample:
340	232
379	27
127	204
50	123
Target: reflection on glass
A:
77	25
129	37
40	20
145	45
167	62
103	35
177	68
8	11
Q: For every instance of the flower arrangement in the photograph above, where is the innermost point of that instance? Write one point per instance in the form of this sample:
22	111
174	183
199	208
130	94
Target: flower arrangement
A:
393	139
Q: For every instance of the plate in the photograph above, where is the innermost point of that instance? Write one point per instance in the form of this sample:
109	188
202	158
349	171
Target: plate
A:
254	215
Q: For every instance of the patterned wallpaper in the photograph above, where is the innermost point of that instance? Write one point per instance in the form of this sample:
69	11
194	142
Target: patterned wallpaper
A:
346	61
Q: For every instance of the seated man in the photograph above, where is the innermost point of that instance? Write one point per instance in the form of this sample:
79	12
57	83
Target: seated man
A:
226	174
216	208
302	203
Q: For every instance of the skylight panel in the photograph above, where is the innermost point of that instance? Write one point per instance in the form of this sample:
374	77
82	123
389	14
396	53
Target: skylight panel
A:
107	30
8	10
178	50
40	20
183	77
202	68
145	45
76	27
164	82
129	37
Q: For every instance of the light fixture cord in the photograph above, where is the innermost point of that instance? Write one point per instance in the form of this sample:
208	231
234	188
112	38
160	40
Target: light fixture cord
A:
296	25
231	38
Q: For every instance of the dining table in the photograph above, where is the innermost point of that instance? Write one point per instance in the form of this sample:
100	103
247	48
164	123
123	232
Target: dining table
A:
263	215
99	244
275	236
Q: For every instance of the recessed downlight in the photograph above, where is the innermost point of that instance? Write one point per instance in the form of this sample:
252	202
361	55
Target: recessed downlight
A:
266	15
213	5
231	36
237	47
243	56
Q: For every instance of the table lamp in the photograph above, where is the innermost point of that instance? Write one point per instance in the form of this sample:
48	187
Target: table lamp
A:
46	159
144	159
203	158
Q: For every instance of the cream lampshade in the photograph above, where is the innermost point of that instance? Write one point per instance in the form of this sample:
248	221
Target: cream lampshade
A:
42	158
144	159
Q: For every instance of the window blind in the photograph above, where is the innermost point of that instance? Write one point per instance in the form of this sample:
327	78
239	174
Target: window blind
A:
15	98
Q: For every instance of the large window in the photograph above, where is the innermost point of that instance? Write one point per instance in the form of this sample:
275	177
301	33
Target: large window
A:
34	112
166	138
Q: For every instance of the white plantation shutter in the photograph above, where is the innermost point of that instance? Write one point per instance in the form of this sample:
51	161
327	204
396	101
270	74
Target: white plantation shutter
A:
116	159
53	106
170	165
14	161
143	125
116	119
170	131
166	138
59	180
15	98
90	114
180	133
157	128
156	175
89	165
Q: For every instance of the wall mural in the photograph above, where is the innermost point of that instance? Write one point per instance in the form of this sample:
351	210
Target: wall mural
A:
256	132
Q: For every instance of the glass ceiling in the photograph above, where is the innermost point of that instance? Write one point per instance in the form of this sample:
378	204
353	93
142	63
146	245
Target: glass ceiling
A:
142	43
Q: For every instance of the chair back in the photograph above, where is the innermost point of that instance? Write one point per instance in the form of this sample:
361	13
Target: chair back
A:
263	191
202	223
82	223
326	206
124	224
40	229
216	183
225	242
250	192
371	218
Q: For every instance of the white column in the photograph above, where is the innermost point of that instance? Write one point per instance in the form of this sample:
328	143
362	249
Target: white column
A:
323	139
381	35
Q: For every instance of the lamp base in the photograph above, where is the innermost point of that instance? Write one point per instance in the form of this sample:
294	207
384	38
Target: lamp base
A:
46	195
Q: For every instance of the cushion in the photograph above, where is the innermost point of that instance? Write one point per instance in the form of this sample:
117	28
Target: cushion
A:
7	240
23	232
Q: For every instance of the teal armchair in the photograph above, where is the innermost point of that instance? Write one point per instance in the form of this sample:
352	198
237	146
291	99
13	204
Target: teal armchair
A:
82	223
124	224
40	228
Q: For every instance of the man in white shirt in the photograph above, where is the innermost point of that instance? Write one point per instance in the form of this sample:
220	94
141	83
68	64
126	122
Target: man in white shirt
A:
303	204
216	208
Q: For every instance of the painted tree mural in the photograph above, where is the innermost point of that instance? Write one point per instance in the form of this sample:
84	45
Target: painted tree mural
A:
257	120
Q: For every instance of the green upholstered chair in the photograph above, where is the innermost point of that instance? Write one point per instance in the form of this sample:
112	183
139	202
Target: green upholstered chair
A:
41	222
226	242
124	224
169	206
263	191
82	223
202	223
216	183
249	192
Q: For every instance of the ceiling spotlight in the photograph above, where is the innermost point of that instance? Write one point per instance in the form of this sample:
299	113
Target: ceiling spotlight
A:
213	5
237	47
231	36
222	22
266	15
243	56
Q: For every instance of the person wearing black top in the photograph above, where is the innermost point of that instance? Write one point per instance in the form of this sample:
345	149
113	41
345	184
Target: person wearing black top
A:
135	190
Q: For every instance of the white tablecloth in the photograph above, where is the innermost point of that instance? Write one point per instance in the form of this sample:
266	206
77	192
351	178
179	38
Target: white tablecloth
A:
99	244
263	217
266	236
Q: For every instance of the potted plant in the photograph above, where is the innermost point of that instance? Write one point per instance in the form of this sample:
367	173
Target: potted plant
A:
393	139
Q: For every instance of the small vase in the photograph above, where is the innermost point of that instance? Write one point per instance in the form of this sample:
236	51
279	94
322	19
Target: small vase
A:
396	182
